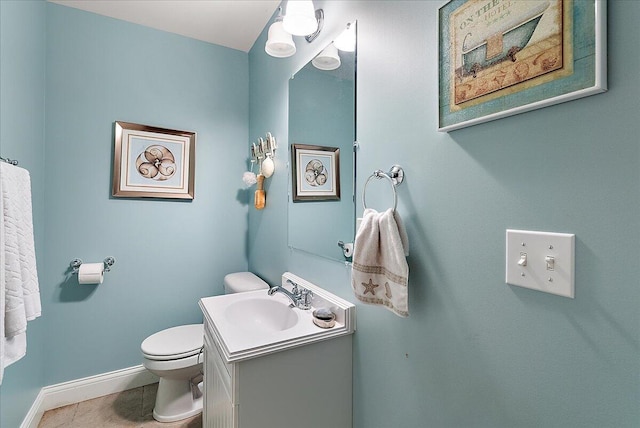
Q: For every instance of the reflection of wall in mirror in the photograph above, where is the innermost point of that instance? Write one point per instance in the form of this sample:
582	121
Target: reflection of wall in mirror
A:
321	112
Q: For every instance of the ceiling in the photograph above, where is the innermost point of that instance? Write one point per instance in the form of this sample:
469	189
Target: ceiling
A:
235	24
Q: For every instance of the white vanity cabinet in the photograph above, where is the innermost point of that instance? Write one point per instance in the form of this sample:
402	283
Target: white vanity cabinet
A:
218	407
304	387
299	377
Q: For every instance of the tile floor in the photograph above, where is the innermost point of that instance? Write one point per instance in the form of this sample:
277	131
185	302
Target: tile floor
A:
132	408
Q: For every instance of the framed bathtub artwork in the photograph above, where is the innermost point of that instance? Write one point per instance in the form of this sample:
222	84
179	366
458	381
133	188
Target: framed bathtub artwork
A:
499	58
315	173
152	162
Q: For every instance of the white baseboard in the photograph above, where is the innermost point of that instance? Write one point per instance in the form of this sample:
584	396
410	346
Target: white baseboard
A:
62	394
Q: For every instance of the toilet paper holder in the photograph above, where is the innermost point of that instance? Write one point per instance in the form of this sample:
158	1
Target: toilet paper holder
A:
75	264
347	248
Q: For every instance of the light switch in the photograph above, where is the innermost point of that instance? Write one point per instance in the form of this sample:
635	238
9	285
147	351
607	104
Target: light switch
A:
523	259
551	262
542	261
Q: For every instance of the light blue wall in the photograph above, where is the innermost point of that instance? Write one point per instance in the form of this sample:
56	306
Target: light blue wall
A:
22	95
168	253
93	71
476	352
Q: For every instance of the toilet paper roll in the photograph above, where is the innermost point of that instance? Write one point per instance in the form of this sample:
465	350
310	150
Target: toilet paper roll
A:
91	273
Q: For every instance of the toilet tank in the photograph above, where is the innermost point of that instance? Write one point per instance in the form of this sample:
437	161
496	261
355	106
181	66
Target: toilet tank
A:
239	282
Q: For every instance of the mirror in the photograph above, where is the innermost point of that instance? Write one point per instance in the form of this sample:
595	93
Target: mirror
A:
322	129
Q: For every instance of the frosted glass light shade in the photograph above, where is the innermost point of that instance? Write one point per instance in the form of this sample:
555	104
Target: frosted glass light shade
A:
328	59
279	42
300	18
346	41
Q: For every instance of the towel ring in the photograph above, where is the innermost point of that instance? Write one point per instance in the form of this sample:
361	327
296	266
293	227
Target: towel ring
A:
395	177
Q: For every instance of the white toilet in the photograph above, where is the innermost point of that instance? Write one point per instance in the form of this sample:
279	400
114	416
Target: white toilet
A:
175	356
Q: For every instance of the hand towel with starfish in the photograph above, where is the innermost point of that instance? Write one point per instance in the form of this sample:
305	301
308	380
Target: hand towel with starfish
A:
380	273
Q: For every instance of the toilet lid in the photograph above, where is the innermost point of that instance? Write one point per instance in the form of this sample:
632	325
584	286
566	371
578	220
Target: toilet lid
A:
172	343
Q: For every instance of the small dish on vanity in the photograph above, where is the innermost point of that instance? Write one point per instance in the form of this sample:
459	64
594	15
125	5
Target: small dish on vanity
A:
324	318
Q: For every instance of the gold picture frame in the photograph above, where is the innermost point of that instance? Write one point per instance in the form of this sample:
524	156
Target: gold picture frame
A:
151	162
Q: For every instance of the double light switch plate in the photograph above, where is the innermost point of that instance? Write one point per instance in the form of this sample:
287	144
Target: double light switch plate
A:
542	261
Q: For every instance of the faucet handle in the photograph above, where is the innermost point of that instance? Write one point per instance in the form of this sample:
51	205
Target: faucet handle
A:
295	290
305	299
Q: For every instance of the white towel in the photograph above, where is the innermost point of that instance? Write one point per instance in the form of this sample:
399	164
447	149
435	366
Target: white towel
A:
19	289
380	272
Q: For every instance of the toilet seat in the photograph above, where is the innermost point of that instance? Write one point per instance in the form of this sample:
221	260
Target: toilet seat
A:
174	343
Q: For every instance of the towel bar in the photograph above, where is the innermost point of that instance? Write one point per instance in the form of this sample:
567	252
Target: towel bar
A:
9	161
395	177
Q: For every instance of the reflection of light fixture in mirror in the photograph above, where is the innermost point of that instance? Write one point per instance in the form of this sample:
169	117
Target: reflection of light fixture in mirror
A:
279	43
346	41
328	59
300	18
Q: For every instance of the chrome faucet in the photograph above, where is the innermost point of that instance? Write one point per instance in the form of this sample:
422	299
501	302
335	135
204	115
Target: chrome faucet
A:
300	297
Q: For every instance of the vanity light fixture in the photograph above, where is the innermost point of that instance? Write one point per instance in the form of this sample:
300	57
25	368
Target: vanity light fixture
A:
279	43
328	59
346	41
300	19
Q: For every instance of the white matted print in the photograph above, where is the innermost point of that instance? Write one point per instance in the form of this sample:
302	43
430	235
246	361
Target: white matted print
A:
315	172
153	162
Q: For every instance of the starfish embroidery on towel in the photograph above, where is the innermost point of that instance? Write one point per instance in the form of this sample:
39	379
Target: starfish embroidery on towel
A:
387	290
370	287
